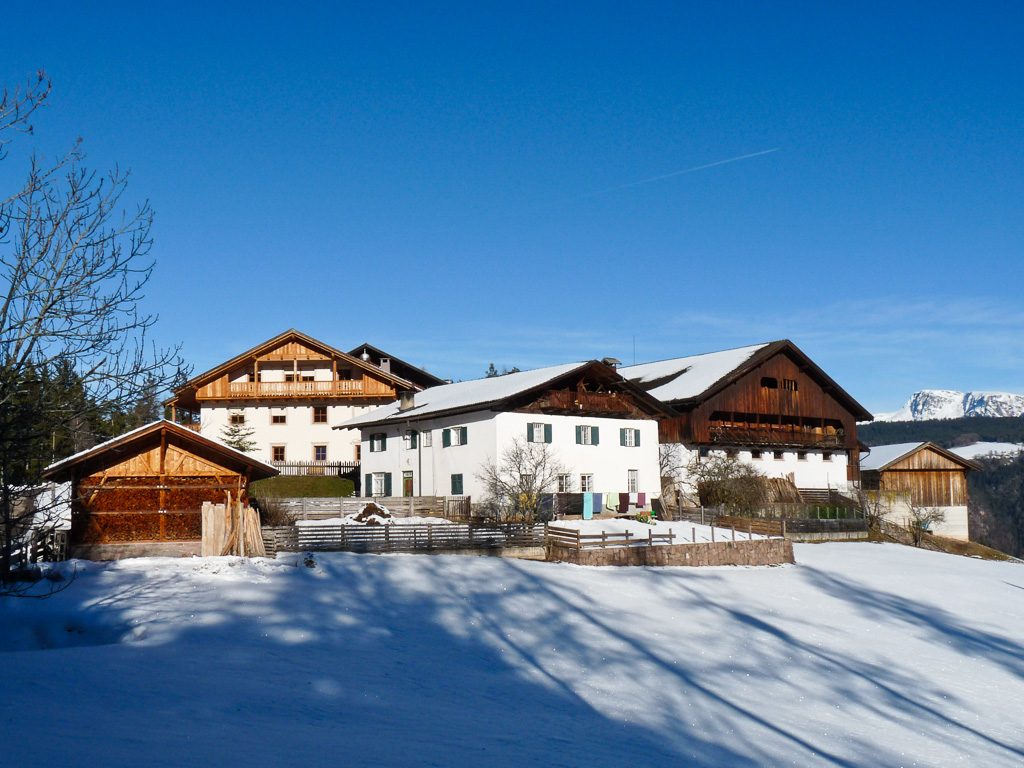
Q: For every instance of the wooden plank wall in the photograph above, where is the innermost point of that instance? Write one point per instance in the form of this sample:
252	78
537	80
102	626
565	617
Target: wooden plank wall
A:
928	488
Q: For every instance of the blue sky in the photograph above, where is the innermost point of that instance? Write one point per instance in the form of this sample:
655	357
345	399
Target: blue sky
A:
455	182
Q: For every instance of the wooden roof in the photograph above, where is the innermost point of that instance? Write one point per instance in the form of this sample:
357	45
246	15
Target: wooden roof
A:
747	362
429	379
140	439
291	334
900	456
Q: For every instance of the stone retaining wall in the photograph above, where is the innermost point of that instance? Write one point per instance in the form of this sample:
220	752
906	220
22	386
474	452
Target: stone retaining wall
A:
756	552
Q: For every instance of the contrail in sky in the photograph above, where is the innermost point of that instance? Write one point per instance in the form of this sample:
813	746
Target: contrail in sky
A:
684	171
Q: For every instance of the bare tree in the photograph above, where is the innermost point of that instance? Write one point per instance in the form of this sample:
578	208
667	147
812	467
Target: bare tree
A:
73	266
921	521
671	467
725	481
516	483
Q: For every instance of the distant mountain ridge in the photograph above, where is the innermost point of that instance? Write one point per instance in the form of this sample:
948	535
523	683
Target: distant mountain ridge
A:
949	404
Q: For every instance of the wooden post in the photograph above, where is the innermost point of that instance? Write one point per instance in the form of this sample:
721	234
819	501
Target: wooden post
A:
783	527
712	534
430	536
693	533
733	532
750	530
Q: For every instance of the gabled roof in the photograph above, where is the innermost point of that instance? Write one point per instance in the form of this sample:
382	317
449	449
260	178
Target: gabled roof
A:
430	378
290	335
124	444
881	457
684	381
493	393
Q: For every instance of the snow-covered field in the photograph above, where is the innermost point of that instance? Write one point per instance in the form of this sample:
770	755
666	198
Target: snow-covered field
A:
682	532
861	655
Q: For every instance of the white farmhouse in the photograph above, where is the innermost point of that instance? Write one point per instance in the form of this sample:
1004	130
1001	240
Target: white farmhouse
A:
601	428
289	391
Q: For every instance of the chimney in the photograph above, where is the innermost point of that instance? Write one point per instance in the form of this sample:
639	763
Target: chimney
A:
611	361
385	364
406	400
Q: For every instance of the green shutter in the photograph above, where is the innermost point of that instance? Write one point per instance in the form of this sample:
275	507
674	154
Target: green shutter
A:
595	436
387	483
456	485
579	435
636	438
414	439
446	438
529	432
368	488
384	442
464	434
622	437
547	433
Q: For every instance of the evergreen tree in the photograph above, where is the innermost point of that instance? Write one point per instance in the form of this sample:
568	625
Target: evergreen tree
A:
238	436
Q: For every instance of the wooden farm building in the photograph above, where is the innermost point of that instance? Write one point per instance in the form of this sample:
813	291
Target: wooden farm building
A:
142	493
919	475
768	403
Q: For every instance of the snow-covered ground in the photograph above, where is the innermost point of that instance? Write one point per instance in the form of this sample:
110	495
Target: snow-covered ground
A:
377	520
861	655
976	450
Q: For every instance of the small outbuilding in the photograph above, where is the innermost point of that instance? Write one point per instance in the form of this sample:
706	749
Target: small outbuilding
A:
142	493
919	475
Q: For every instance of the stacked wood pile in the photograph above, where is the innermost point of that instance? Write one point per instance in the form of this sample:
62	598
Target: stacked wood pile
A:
231	529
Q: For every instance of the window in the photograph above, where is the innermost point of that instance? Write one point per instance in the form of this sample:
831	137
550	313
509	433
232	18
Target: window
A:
629	437
456	485
587	435
319	414
319	453
427	438
411	439
378	442
278	418
454	436
236	418
704	452
801	455
525	481
769	382
731	453
586	483
631	481
379	483
826	456
755	454
538	433
277	453
777	455
359	451
789	384
564	483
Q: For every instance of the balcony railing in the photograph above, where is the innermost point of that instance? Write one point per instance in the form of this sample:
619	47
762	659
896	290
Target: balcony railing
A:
727	435
340	388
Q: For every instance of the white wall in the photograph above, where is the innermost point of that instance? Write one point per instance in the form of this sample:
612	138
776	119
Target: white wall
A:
298	434
490	434
812	472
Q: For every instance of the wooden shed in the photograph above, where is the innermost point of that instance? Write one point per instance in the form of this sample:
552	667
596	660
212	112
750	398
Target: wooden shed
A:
142	493
920	475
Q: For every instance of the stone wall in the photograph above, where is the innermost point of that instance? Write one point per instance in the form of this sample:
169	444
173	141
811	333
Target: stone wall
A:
756	552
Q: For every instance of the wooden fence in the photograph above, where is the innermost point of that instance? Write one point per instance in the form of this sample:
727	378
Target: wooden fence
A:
574	538
316	468
449	507
46	546
398	538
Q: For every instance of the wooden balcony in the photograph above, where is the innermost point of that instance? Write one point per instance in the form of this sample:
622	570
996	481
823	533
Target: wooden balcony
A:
772	435
292	389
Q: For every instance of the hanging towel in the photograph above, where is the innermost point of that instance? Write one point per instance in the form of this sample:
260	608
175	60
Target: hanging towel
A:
623	502
588	506
597	501
641	499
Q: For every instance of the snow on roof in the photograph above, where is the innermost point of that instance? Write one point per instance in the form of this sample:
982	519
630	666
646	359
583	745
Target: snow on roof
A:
146	427
682	378
883	455
465	394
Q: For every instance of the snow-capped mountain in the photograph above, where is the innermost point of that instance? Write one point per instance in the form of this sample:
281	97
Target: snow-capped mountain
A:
949	404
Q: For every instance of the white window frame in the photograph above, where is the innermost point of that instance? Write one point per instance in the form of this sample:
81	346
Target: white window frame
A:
312	414
284	452
564	483
536	432
426	438
632	481
378	479
586	483
586	437
630	437
378	442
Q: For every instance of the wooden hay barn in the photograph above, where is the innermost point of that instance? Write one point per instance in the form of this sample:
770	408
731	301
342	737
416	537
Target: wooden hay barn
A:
142	493
920	475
